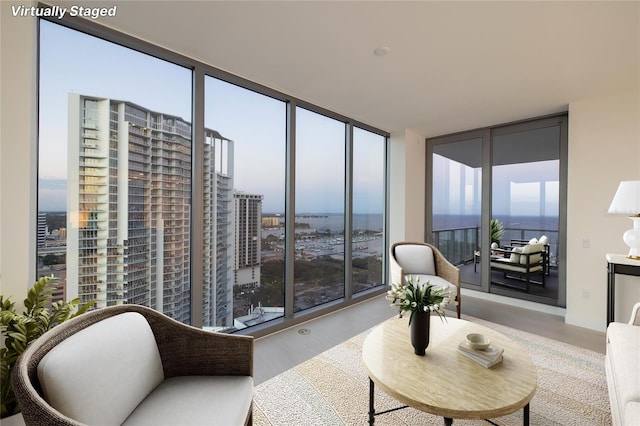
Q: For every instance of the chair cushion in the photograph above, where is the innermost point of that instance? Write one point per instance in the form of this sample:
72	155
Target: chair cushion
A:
506	265
515	255
415	259
438	282
196	400
100	374
535	258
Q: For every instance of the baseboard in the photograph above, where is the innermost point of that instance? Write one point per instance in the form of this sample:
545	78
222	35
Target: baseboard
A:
586	322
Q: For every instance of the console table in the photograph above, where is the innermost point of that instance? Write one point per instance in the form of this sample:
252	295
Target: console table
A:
618	264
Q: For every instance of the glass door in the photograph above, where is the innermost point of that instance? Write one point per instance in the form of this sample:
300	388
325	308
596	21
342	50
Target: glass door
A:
496	207
525	202
456	203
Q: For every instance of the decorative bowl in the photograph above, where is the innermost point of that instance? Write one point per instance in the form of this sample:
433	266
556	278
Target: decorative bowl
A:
478	341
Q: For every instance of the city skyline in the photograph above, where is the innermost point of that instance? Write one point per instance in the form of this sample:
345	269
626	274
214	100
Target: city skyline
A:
116	156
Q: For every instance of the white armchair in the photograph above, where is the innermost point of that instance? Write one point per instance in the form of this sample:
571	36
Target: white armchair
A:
426	262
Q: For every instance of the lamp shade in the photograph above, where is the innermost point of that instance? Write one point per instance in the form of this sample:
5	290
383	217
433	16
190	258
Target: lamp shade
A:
627	198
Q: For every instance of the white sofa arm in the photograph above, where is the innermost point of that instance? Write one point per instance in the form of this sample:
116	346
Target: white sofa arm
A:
635	315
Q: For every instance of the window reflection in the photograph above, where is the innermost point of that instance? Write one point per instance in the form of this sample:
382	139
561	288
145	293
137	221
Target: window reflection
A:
457	200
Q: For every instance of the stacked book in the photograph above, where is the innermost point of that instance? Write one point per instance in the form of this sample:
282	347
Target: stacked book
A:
485	357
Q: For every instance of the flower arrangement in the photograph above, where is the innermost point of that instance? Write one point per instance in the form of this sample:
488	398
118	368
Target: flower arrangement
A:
415	296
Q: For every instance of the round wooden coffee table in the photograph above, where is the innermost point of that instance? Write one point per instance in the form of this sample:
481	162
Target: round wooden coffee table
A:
445	382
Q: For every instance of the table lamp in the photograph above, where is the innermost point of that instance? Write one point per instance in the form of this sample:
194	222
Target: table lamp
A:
627	200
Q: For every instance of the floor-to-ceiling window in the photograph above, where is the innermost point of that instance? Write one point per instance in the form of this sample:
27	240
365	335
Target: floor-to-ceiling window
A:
319	209
244	212
166	182
494	191
114	189
367	235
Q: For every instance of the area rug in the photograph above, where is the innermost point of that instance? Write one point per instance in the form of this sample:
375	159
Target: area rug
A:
333	389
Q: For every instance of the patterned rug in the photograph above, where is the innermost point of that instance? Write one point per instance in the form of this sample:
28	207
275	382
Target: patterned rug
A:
333	389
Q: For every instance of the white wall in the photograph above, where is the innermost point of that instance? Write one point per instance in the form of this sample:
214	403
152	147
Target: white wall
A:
604	148
397	188
415	186
407	176
17	153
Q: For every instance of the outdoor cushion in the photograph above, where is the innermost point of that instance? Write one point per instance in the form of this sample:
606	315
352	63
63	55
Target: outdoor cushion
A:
506	265
515	255
532	248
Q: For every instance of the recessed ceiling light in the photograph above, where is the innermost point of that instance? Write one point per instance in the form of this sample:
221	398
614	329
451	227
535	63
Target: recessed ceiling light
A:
381	51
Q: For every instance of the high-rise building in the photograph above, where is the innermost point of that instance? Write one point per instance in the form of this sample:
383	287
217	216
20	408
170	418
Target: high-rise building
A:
248	230
42	229
218	231
271	221
129	206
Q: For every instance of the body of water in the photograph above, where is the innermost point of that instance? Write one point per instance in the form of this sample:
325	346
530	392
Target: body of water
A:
547	223
335	222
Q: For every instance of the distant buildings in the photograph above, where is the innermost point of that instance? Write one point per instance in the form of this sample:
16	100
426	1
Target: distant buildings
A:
248	238
272	221
42	229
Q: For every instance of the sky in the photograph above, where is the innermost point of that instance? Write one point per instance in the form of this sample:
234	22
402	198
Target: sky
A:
82	64
72	62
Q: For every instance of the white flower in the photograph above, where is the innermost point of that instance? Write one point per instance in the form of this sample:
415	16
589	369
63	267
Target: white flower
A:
413	295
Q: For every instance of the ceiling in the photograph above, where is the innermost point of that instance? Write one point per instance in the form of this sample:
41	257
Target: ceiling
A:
530	146
451	66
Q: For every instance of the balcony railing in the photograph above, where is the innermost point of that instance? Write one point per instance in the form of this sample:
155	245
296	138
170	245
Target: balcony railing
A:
459	244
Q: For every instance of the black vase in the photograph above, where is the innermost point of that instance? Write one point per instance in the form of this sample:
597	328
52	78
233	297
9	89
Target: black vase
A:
420	331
